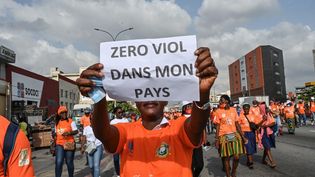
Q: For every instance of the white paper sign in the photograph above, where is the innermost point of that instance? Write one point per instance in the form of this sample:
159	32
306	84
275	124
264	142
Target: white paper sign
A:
151	69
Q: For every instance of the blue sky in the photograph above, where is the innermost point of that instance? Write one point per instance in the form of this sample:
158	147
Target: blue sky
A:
42	31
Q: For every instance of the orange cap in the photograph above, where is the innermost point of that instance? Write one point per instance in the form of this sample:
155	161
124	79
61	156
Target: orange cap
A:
62	109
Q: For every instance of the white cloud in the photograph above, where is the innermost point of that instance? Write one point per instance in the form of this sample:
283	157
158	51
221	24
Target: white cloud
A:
216	16
49	33
295	40
60	33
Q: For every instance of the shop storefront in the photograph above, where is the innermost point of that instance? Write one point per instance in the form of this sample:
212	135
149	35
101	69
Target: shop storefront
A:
32	95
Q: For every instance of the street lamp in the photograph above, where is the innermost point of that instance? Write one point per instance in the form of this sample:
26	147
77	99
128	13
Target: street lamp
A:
113	38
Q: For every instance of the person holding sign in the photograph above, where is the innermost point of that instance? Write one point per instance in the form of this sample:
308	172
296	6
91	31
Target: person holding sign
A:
154	146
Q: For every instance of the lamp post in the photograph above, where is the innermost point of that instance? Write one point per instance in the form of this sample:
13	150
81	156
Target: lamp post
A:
113	38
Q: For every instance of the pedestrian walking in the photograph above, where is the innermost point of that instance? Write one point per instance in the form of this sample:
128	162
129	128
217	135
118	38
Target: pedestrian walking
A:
85	121
65	144
289	115
229	136
197	157
267	136
154	146
301	113
93	148
250	125
118	113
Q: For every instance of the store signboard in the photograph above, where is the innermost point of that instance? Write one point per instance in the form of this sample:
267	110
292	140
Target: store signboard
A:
7	55
26	88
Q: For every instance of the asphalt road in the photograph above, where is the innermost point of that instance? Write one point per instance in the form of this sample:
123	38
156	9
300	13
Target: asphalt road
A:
294	155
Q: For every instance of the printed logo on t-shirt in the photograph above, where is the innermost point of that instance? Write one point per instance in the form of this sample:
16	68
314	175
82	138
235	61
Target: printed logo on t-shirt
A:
24	158
163	150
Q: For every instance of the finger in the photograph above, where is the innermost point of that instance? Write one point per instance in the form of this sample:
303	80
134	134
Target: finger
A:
208	72
205	64
85	82
91	73
85	90
97	67
202	54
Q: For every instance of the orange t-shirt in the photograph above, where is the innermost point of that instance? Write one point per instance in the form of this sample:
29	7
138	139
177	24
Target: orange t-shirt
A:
275	109
226	119
62	127
269	120
300	107
157	153
255	110
85	121
244	122
312	105
20	162
289	112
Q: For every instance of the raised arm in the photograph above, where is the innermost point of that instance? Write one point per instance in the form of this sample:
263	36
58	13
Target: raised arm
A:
207	73
102	129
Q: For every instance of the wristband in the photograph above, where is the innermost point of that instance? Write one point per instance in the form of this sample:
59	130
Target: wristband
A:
203	107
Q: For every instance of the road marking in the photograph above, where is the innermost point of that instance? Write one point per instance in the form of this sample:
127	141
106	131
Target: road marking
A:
313	131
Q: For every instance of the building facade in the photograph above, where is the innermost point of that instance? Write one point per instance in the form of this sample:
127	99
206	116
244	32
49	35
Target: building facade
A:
258	73
69	93
32	95
6	56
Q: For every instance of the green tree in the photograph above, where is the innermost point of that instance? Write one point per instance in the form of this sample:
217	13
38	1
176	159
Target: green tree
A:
126	106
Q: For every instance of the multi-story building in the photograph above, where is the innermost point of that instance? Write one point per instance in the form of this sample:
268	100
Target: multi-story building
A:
6	56
258	73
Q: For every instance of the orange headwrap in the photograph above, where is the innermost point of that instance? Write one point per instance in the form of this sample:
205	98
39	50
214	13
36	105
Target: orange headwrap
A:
62	109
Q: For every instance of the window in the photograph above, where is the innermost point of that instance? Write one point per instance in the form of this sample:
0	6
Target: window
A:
275	54
61	103
278	83
70	95
61	93
277	73
279	92
66	94
243	78
70	105
242	62
243	70
73	96
67	105
275	64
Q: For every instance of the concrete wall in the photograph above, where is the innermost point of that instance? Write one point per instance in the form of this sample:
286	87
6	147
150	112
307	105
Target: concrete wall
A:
68	92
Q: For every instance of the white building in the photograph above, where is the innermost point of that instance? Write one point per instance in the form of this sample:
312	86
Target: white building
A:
69	93
6	56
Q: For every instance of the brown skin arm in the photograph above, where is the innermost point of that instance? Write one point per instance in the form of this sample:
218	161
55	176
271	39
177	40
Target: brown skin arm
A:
217	144
102	129
83	143
207	73
239	130
70	133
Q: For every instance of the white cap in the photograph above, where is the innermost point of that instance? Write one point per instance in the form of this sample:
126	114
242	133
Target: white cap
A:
186	103
288	102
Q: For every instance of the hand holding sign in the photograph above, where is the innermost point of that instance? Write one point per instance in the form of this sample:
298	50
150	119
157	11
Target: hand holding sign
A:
84	82
206	69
